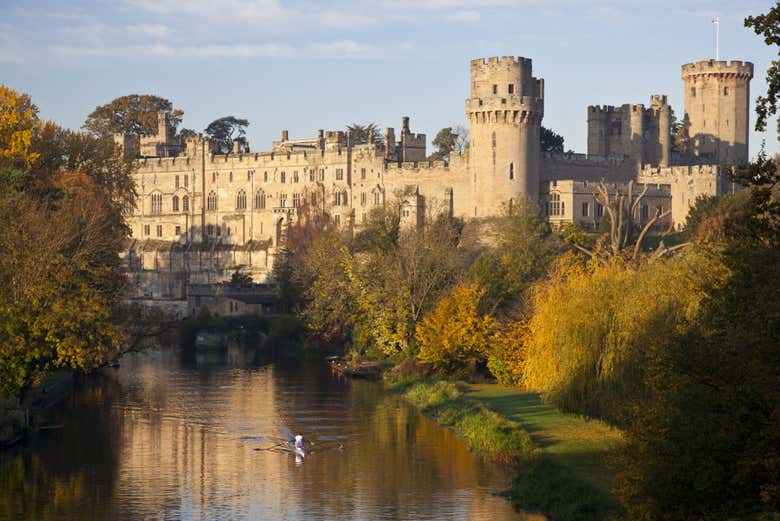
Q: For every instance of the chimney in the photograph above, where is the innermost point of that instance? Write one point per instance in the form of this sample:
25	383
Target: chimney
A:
236	146
285	135
405	124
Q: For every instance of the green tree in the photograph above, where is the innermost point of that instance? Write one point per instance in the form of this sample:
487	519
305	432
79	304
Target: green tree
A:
768	26
550	141
360	133
225	130
135	114
448	140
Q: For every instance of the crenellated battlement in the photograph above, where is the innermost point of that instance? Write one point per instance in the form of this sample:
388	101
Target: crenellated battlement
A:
500	60
705	67
654	174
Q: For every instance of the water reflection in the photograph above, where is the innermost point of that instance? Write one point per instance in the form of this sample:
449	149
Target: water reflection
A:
173	436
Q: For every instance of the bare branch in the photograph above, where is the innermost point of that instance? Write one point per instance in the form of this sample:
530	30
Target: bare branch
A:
663	252
650	223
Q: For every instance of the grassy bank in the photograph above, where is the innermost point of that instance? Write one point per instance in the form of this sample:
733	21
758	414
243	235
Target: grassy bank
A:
560	459
485	431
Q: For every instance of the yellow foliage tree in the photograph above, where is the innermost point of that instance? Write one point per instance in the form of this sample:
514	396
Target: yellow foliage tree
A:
456	334
18	122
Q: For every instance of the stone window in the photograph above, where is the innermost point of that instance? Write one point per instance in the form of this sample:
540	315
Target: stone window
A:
218	229
213	177
725	91
146	230
178	230
283	177
511	170
339	174
693	91
265	177
156	203
211	203
495	89
344	198
555	205
296	200
241	200
249	174
260	200
175	202
283	200
295	176
176	182
363	199
210	229
322	174
185	203
585	209
311	176
599	210
314	199
376	198
186	181
230	177
159	230
337	219
362	173
511	88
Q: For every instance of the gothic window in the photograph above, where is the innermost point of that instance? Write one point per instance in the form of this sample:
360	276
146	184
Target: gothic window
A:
376	198
211	203
296	200
339	174
511	170
241	200
283	200
585	209
283	177
260	200
176	182
159	230
185	203
156	203
175	203
555	205
311	176
344	198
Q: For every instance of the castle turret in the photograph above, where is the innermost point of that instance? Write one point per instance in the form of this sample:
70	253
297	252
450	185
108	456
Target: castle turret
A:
505	112
659	144
717	104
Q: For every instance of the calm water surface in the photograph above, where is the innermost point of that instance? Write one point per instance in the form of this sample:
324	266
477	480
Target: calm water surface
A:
172	436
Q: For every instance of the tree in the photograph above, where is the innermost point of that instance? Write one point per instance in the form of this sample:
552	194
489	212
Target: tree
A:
360	133
18	122
225	130
768	26
681	136
457	333
135	114
448	140
550	141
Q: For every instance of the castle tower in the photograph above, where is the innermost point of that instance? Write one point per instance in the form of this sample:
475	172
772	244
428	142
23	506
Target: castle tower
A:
505	112
717	104
659	143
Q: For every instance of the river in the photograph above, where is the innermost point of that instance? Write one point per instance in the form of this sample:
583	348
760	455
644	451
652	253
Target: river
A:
170	435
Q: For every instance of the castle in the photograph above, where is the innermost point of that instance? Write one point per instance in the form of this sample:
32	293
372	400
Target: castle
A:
202	215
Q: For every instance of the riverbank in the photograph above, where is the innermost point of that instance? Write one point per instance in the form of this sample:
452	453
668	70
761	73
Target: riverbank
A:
560	459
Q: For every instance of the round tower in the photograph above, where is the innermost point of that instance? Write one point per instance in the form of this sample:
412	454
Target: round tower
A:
717	104
505	113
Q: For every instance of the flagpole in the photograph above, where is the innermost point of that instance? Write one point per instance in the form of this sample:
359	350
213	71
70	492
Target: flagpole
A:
717	37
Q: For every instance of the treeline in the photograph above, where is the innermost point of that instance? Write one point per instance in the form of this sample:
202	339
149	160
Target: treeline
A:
63	195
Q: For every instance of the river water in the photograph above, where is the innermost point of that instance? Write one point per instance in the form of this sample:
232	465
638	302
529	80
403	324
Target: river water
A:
170	435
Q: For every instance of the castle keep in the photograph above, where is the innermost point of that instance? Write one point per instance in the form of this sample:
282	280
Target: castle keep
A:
201	215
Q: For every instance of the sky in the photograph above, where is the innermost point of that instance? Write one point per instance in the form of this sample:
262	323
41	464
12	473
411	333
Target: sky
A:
305	65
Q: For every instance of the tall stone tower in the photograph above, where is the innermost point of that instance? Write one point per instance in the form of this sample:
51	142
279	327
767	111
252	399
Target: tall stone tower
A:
717	104
505	112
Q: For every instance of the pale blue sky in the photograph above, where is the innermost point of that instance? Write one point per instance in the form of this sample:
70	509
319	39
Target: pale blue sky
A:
303	65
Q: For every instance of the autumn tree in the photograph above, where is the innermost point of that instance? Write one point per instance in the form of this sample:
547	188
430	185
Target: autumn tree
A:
457	333
18	123
223	131
768	26
135	114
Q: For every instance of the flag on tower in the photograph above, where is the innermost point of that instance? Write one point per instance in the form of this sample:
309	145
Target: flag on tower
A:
716	20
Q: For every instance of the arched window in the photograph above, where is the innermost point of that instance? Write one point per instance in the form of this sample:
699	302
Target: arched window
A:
185	203
265	177
212	201
511	170
175	203
260	200
156	203
241	200
344	198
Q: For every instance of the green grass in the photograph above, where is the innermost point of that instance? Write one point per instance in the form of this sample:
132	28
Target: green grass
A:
485	431
570	478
